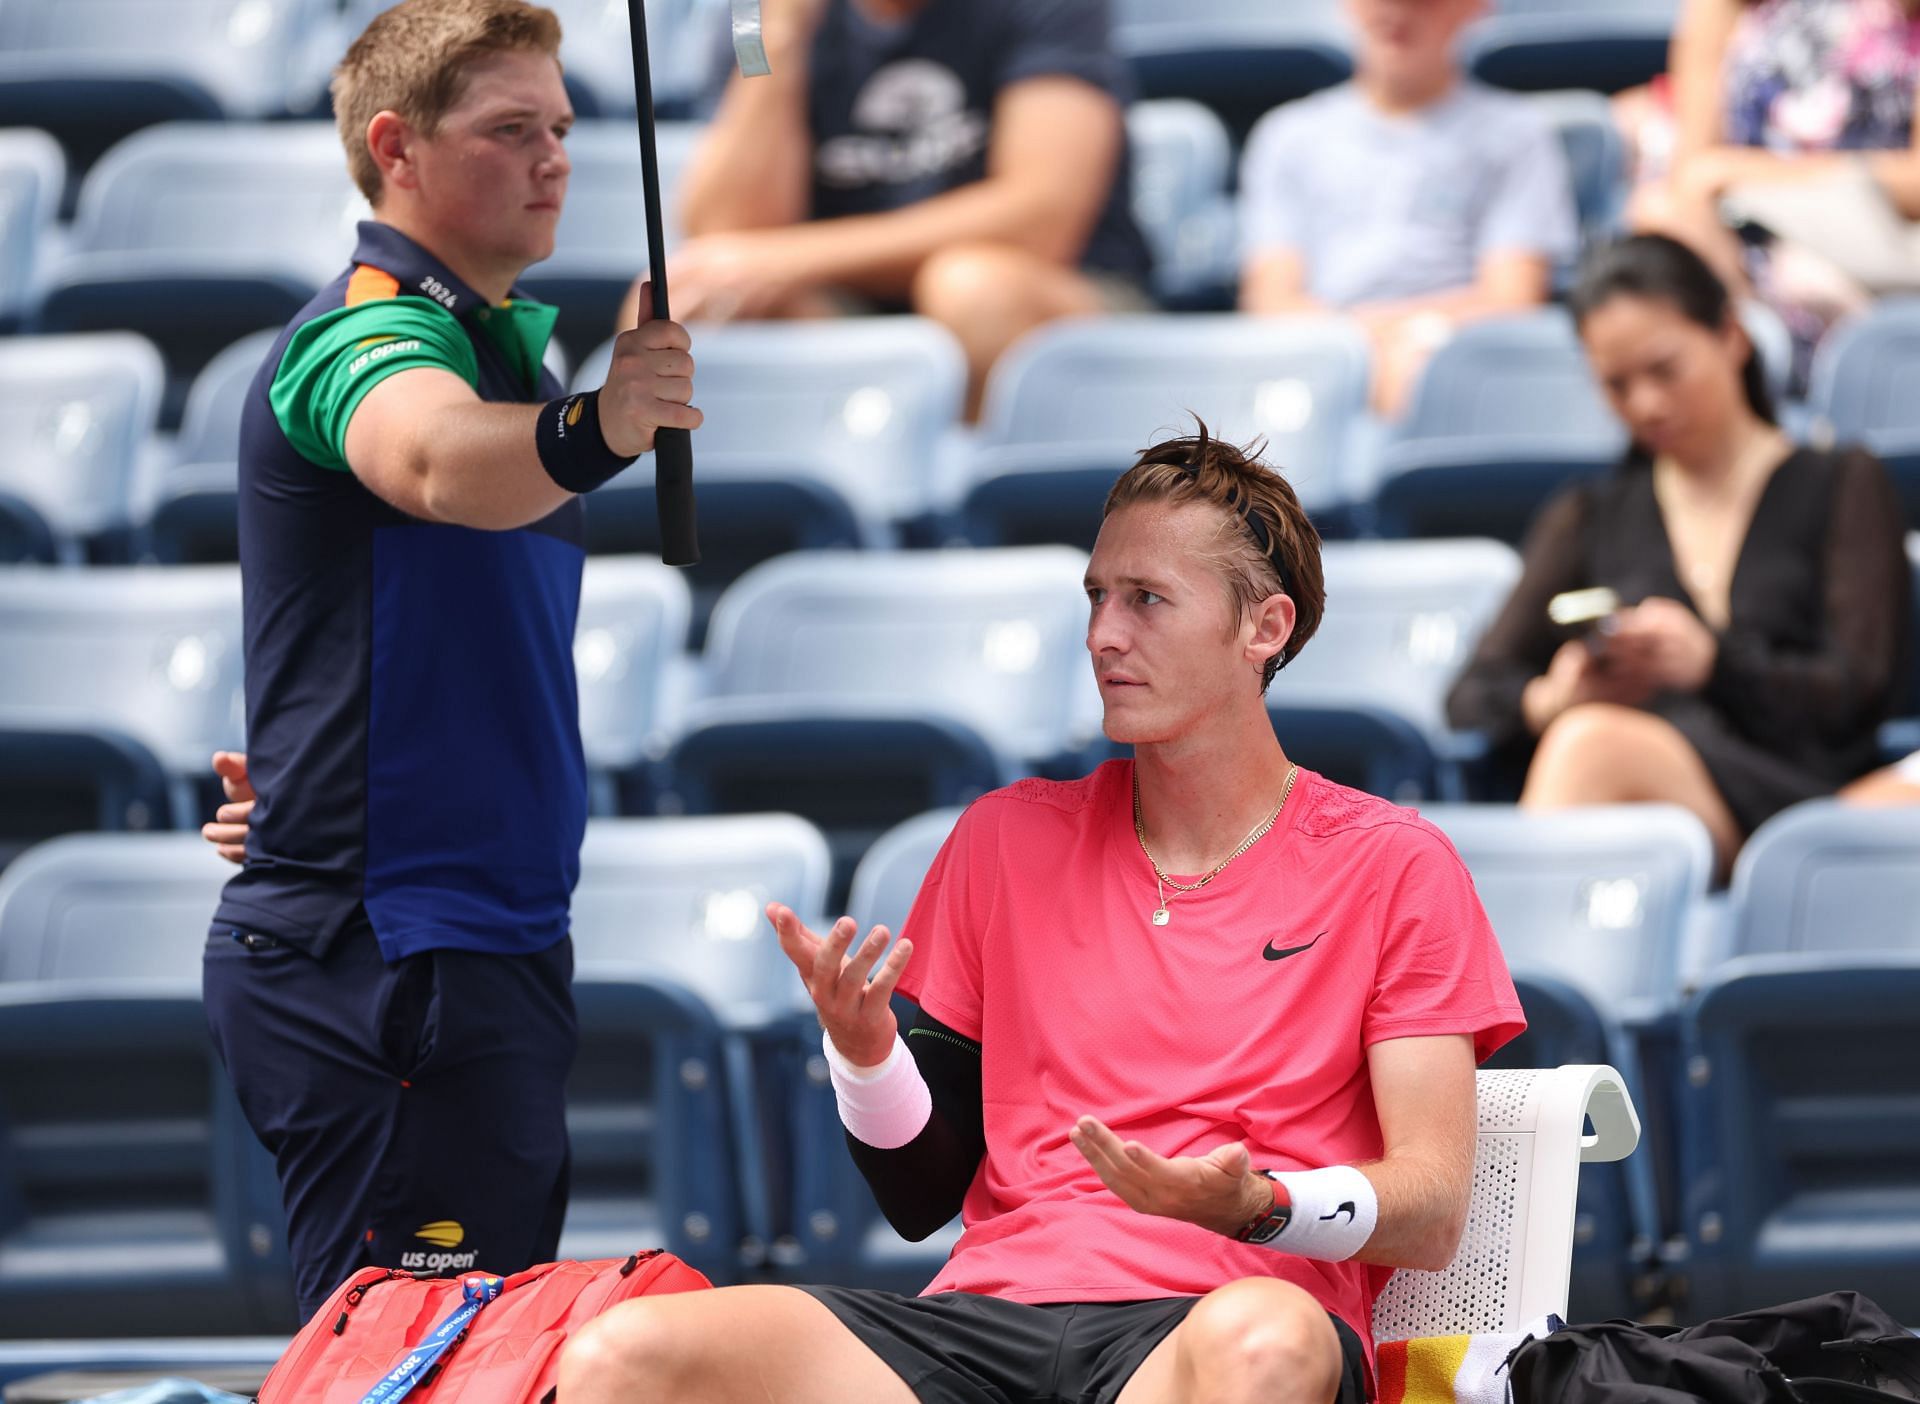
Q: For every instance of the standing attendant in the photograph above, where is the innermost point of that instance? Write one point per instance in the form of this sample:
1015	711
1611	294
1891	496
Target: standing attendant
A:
388	976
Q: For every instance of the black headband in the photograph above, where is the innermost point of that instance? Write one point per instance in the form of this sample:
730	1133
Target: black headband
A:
1243	508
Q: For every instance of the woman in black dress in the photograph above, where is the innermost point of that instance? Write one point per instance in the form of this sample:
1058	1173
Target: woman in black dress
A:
1762	587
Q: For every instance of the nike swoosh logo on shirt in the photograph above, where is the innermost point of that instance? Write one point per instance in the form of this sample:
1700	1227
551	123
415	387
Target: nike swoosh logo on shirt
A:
1281	953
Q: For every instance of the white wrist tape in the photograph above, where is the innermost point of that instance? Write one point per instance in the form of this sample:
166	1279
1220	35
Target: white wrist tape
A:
885	1106
1334	1211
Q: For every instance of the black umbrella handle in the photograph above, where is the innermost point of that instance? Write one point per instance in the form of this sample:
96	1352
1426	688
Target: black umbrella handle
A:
672	448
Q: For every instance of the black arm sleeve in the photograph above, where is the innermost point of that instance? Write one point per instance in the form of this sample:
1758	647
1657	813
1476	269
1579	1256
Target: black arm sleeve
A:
919	1186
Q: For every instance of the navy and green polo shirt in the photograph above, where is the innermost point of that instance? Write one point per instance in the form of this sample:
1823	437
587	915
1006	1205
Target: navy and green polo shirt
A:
412	719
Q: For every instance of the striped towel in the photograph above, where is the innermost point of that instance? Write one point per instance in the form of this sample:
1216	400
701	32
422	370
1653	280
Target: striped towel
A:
1452	1369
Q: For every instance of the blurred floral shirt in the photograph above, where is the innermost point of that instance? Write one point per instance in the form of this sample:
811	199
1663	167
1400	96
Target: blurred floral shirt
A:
1823	75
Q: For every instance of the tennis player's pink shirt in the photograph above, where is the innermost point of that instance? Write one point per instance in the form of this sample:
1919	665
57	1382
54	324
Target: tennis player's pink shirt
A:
1248	1017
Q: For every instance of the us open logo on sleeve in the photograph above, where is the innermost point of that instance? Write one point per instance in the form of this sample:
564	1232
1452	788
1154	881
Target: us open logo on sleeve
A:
443	1234
381	353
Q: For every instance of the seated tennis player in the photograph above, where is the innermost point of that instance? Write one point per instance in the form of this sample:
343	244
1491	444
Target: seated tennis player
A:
1195	1043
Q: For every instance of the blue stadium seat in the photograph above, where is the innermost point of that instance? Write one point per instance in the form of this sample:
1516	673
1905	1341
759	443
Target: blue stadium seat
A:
1505	414
1239	57
1182	166
685	898
852	409
1070	406
1800	1146
1403	618
1368	748
76	413
1823	878
195	519
680	903
1862	390
129	1204
601	244
33	173
858	689
1598	900
1596	897
134	661
1540	44
1595	154
649	1115
195	234
627	653
95	906
91	71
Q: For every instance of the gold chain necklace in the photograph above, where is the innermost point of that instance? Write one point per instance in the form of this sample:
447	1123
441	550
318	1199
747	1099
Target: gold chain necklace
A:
1161	916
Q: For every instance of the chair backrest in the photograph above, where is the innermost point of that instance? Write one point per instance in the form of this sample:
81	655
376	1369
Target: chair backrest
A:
686	899
1404	617
1826	878
1182	165
890	873
33	173
246	53
994	638
151	652
634	615
109	906
210	428
866	400
1511	379
207	197
1863	376
1117	383
1516	1255
75	412
1595	154
1599	897
603	226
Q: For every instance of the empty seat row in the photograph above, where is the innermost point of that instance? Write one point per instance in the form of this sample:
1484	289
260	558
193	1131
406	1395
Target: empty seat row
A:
846	433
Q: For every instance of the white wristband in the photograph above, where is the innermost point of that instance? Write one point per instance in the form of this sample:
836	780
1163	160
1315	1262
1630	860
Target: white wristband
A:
1334	1211
884	1106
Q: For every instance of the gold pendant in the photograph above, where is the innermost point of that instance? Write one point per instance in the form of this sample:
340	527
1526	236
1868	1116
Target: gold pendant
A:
1161	916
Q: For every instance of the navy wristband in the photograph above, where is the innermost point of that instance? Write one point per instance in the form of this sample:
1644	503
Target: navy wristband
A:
571	447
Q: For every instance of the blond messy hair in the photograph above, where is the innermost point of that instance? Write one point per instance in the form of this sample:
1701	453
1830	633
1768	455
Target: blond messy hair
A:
413	59
1266	544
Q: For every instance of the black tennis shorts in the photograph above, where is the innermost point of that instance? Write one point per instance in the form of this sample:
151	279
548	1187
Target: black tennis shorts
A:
963	1348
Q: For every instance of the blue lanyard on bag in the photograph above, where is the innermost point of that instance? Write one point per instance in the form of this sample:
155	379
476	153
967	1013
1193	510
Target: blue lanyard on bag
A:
401	1380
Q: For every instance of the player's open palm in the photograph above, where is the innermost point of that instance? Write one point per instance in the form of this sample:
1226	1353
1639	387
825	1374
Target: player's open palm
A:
1211	1190
854	1008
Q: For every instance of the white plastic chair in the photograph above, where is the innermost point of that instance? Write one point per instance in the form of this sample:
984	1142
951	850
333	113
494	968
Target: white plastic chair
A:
1517	1252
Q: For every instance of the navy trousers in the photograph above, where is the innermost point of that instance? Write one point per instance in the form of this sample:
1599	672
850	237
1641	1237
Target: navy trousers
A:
416	1112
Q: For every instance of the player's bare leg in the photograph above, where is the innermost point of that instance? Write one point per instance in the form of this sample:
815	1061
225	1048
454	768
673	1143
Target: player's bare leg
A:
1255	1341
733	1345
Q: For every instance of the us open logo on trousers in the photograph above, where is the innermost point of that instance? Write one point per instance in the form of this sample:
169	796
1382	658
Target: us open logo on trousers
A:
442	1233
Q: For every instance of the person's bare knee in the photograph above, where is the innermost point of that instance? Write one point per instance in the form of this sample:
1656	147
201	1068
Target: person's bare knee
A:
1262	1340
624	1353
1581	756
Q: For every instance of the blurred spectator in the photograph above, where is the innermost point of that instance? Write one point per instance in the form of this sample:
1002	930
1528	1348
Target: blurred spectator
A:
1892	784
1762	589
964	159
1790	121
1412	197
